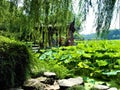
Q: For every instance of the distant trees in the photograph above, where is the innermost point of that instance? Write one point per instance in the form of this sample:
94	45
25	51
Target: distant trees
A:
114	34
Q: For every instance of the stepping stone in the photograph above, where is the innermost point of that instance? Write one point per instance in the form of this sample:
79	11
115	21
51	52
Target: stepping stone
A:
49	74
101	87
55	86
70	82
33	84
113	88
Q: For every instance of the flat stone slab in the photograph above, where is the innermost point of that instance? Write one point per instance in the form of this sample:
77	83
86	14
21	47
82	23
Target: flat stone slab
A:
33	84
55	86
49	74
101	87
113	88
41	79
70	82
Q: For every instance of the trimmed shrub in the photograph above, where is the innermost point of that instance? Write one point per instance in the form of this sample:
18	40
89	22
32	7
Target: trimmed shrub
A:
14	63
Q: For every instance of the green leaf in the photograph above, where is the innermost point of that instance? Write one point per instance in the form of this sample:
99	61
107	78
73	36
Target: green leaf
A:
116	66
118	61
83	65
111	73
102	62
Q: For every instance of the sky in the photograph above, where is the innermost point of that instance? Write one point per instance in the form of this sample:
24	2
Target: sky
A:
20	3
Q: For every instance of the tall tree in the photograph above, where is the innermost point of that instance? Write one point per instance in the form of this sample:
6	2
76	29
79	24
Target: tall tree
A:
42	21
105	13
4	14
47	17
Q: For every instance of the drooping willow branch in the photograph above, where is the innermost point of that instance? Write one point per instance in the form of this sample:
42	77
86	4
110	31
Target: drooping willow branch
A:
103	14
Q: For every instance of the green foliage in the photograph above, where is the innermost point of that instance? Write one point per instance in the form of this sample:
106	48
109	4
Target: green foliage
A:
60	70
15	61
115	72
41	66
101	63
115	83
39	21
77	87
77	36
90	58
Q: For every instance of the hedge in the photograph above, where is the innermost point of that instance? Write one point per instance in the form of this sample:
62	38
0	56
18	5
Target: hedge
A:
14	63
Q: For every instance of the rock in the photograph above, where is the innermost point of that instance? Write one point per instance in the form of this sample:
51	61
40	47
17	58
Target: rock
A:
33	84
55	86
41	83
70	82
101	87
42	79
113	88
50	74
49	81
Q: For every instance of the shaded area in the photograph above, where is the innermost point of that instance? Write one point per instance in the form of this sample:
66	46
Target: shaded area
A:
14	63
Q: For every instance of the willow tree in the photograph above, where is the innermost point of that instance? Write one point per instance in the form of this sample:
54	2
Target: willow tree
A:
103	10
48	19
105	14
4	14
10	18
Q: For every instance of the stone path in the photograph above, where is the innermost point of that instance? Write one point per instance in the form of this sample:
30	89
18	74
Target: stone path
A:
49	82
